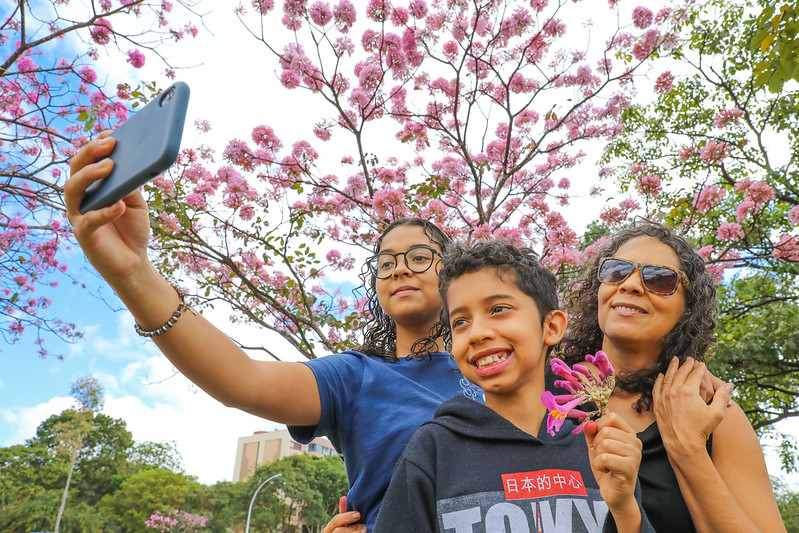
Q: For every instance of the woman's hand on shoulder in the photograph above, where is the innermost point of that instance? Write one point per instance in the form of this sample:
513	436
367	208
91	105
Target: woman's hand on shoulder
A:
114	238
685	420
344	521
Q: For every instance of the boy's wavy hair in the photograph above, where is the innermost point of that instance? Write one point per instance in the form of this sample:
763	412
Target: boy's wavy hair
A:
692	336
520	264
380	337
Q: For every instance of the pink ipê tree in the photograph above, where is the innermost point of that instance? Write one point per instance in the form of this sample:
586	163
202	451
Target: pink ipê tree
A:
473	114
52	99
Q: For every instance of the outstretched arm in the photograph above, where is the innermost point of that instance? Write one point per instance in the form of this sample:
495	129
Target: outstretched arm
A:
114	240
615	454
729	491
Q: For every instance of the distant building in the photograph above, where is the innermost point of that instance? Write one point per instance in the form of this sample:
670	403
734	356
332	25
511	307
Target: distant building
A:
267	446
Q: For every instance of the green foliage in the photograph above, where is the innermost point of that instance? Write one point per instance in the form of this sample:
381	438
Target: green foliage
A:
144	493
776	44
788	502
156	455
311	485
89	393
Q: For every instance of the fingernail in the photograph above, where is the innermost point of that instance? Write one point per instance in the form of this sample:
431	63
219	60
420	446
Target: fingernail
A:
356	515
674	359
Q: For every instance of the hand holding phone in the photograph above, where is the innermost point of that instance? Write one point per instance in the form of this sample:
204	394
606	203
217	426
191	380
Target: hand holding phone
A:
146	145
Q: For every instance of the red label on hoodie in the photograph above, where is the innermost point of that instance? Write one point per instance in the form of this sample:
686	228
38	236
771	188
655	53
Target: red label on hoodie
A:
542	483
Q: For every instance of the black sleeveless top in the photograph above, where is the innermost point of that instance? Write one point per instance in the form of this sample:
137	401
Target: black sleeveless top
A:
660	493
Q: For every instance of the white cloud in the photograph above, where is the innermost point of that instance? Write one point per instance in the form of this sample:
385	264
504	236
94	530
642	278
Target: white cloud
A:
25	420
204	430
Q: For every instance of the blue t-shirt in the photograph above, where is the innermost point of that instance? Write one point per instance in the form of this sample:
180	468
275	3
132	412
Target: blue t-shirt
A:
370	409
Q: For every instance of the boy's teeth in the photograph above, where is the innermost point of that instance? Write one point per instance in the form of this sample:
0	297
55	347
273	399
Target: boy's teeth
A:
491	359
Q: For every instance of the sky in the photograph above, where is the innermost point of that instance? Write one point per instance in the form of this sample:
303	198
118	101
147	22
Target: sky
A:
235	91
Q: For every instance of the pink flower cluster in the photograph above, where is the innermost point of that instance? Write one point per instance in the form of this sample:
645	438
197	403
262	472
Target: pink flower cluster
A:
664	83
714	152
650	185
708	198
176	521
727	117
584	385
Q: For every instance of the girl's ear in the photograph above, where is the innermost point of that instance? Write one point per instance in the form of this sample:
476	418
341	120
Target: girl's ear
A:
554	327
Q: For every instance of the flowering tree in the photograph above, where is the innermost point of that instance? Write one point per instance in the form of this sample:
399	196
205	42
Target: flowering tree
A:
473	114
716	155
52	98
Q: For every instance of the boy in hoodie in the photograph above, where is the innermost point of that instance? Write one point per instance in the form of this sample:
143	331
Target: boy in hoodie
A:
494	467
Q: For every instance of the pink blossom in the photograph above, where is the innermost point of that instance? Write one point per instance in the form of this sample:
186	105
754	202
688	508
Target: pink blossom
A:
786	249
612	216
642	17
320	13
593	250
644	48
564	183
321	131
649	185
559	411
196	201
730	231
727	117
376	10
289	79
629	205
263	6
21	280
759	192
101	31
744	209
265	137
87	74
687	152
418	8
451	50
538	5
344	14
664	83
400	16
136	58
714	152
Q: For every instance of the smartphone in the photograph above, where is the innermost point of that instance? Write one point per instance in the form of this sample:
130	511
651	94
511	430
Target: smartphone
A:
146	145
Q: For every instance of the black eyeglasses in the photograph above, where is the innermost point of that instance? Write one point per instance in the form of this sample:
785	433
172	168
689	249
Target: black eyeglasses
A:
659	279
418	259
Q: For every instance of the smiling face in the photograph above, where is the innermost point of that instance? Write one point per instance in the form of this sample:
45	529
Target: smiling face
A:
633	319
410	298
498	339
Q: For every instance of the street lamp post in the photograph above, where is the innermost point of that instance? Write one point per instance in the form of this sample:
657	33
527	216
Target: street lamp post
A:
249	511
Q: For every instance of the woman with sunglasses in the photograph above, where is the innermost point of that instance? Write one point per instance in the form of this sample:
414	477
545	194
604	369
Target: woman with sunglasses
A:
367	401
649	304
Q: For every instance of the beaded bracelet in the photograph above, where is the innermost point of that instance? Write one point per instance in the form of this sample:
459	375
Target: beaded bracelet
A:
172	320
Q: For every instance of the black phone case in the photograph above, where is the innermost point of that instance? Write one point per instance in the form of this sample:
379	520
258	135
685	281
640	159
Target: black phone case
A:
146	145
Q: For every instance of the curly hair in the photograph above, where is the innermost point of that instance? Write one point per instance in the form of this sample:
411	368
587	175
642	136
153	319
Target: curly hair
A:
522	264
380	337
692	336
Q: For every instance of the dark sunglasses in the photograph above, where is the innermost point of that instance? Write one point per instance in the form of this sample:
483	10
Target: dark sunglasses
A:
659	279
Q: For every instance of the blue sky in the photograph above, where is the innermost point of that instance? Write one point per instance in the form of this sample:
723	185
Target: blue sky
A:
235	92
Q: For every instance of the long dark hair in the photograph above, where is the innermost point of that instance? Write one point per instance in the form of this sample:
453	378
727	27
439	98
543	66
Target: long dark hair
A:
692	336
380	337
